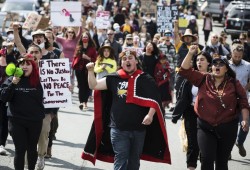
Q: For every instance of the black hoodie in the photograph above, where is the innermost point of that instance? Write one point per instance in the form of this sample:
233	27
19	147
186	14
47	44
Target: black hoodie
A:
24	101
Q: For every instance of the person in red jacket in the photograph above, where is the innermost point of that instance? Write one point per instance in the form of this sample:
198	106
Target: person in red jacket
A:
162	78
220	96
85	52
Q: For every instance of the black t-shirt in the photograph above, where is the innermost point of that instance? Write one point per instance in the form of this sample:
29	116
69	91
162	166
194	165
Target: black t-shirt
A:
49	55
149	63
124	116
57	52
24	101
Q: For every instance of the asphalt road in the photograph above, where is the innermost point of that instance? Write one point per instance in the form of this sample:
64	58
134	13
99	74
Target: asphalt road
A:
74	126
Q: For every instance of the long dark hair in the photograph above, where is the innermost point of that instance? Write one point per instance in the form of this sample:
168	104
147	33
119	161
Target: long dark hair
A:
79	49
206	55
34	76
155	51
100	57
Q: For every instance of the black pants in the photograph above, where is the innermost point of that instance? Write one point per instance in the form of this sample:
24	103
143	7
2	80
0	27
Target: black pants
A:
25	135
206	35
83	86
190	119
3	123
53	130
216	143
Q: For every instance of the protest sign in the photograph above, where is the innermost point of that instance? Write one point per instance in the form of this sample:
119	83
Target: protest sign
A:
124	3
90	2
32	21
55	80
102	20
66	13
183	23
85	2
165	17
44	23
12	16
148	6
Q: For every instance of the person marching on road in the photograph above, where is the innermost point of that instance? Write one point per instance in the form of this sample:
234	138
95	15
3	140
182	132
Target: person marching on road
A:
135	116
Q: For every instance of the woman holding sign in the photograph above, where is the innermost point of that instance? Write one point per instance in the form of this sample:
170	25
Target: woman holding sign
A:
69	43
85	53
24	95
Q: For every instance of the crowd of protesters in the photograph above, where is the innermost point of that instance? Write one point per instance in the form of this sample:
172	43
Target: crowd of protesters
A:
222	73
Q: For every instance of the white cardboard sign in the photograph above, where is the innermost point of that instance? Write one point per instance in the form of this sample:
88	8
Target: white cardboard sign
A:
66	13
102	20
55	80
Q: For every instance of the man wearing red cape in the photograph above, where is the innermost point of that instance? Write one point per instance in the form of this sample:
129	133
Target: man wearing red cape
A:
129	122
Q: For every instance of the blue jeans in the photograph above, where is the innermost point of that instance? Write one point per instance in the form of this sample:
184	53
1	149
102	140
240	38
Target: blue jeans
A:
127	146
242	135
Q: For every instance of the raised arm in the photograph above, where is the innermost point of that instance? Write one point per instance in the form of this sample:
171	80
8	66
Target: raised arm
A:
186	64
78	35
4	24
17	38
176	33
93	83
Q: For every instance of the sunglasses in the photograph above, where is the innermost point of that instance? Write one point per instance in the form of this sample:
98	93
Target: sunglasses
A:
215	37
218	64
168	35
110	34
34	52
129	39
71	32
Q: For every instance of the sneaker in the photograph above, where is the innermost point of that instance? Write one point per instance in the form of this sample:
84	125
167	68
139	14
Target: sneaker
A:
242	150
40	163
2	150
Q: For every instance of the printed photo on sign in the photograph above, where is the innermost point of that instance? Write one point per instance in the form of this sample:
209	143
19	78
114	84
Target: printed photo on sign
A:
55	80
66	13
102	20
32	21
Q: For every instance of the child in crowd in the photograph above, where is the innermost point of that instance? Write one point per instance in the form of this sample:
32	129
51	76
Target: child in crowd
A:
162	77
105	62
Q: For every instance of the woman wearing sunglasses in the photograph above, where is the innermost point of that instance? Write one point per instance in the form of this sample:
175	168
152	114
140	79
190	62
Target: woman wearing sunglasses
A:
216	107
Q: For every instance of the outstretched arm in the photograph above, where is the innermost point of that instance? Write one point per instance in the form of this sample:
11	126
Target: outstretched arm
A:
93	83
176	33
